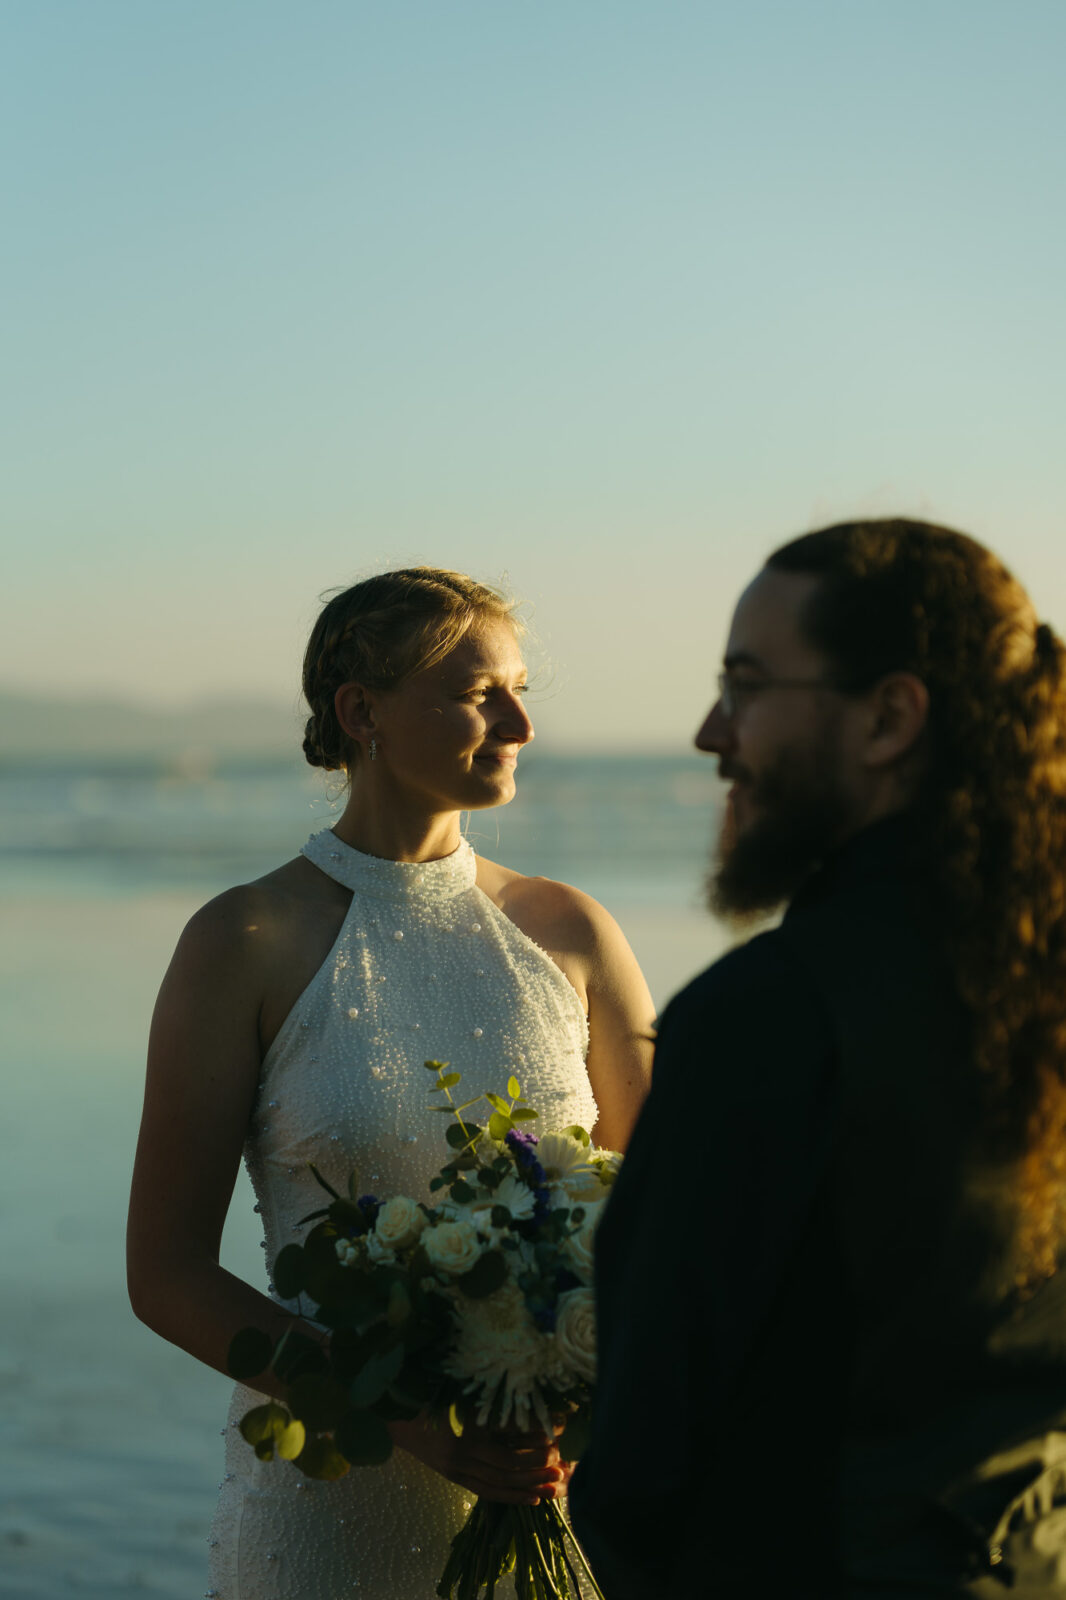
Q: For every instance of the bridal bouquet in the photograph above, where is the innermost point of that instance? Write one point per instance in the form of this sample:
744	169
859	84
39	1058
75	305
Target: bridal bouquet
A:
475	1308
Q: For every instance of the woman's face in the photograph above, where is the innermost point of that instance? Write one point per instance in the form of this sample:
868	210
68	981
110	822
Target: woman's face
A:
452	732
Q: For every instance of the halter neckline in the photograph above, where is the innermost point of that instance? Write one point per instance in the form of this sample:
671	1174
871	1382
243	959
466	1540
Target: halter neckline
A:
374	875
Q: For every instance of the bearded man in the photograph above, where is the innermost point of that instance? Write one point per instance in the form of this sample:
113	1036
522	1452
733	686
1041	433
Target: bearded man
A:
830	1291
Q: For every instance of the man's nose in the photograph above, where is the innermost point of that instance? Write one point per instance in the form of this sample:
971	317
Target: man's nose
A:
716	732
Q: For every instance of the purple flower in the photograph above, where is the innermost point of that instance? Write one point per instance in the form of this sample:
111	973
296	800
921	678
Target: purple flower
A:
520	1142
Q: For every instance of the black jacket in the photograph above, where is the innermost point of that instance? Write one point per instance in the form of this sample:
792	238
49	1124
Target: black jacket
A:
816	1378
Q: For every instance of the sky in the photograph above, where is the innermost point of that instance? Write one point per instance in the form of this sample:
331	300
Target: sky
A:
603	299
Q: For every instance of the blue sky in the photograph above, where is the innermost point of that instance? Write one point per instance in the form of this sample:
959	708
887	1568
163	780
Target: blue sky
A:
609	298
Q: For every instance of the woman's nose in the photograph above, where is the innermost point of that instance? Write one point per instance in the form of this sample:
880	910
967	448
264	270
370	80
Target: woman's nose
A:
515	720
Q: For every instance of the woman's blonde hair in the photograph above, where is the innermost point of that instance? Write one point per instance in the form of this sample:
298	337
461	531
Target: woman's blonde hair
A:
380	632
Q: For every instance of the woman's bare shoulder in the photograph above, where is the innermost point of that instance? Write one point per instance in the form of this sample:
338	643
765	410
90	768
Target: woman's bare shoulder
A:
558	910
273	911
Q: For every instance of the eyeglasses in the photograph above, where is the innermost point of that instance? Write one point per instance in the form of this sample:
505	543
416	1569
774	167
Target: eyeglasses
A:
731	690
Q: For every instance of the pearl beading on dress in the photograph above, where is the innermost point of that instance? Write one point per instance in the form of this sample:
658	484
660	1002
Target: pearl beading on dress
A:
424	965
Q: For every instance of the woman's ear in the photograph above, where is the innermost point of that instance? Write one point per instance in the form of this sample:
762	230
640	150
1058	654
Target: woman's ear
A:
898	715
355	712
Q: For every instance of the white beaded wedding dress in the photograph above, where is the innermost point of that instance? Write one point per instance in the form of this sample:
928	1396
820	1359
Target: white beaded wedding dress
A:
425	965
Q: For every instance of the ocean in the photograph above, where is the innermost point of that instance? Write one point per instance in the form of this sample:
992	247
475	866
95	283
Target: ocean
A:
109	1438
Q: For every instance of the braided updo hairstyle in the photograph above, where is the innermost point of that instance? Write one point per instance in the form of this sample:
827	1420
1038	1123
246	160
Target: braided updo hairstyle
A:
380	632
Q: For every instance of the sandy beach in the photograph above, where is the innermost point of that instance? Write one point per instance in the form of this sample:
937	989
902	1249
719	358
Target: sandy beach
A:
110	1438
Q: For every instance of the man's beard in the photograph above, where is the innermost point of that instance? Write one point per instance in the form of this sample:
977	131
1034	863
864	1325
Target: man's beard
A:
802	813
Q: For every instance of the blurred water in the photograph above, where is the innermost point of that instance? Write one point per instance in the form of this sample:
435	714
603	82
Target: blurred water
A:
109	1438
635	828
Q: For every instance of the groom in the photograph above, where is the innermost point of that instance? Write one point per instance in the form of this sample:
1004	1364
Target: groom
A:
832	1320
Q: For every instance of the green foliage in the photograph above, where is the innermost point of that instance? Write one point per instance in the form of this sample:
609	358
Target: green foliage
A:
462	1193
249	1354
513	1089
290	1279
574	1439
578	1133
320	1458
363	1439
500	1125
320	1180
436	1066
297	1354
398	1310
524	1114
485	1276
318	1401
270	1429
347	1217
448	1081
376	1376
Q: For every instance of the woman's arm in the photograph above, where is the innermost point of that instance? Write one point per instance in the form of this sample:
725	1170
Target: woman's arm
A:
586	942
621	1018
203	1069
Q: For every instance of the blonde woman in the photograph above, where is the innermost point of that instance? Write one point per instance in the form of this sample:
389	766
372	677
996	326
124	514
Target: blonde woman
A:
293	1023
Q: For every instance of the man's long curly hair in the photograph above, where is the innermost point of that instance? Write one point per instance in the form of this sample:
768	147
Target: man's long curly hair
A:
901	595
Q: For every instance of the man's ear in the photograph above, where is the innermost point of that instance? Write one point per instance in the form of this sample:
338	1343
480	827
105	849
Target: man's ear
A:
354	706
898	715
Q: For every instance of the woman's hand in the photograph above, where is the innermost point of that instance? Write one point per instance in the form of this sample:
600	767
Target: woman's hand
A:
519	1469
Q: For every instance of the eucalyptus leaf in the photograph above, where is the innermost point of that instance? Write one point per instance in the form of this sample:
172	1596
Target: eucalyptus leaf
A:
500	1125
291	1441
290	1275
457	1136
298	1354
313	1216
319	1179
264	1422
399	1307
436	1066
317	1401
249	1353
462	1193
574	1439
498	1103
376	1376
346	1215
501	1217
449	1080
577	1132
513	1089
320	1458
525	1114
363	1439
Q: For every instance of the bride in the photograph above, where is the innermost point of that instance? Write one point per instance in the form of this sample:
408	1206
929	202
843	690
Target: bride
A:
293	1022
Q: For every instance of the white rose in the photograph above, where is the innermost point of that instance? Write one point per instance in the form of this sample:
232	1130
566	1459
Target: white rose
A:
452	1247
578	1248
575	1331
399	1223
